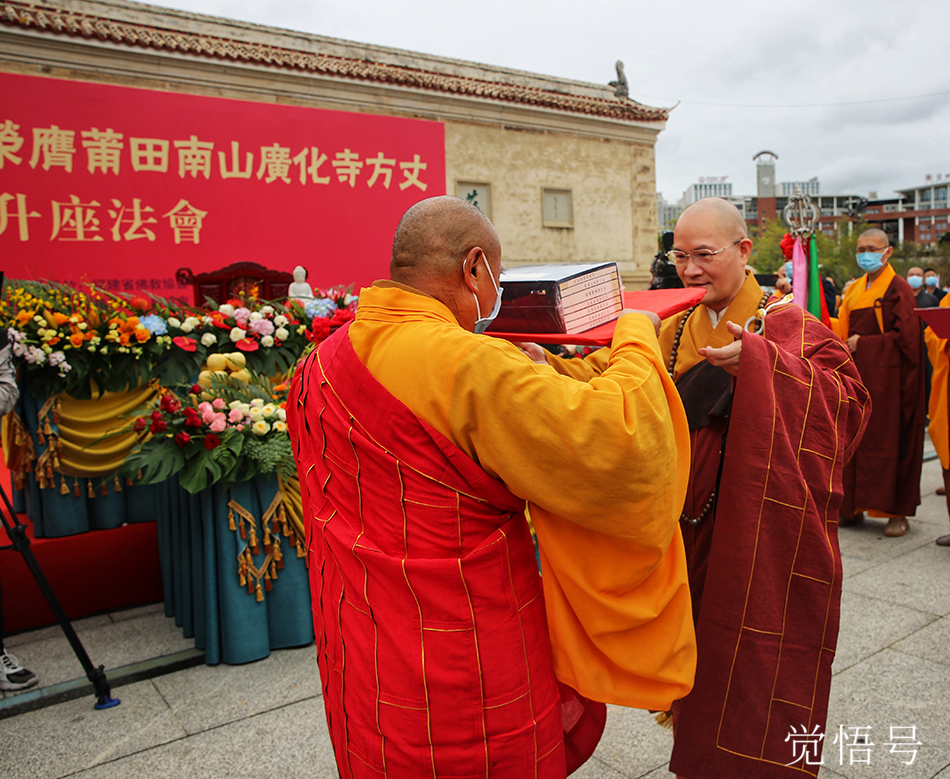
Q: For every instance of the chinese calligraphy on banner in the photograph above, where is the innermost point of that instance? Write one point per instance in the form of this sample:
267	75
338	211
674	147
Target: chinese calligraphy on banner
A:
123	186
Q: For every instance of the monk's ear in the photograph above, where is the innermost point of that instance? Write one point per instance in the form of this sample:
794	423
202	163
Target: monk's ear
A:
470	269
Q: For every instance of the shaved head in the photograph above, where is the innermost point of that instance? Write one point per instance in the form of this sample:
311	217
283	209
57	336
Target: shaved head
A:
434	237
729	219
875	234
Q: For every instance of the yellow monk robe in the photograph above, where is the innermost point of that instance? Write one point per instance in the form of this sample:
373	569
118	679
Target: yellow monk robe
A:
939	429
602	465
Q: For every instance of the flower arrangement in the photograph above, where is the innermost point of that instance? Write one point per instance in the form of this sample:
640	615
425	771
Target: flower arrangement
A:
69	339
222	430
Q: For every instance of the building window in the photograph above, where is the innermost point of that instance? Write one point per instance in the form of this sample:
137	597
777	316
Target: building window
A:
478	193
557	208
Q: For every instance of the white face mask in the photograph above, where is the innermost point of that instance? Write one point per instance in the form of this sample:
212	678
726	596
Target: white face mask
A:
482	323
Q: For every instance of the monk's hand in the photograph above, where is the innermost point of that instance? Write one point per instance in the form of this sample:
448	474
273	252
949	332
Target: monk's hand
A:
726	357
535	353
654	319
852	343
783	285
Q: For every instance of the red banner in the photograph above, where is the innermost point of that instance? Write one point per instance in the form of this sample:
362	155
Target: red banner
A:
122	186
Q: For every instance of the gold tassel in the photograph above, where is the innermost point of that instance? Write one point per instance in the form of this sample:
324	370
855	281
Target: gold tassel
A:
40	437
242	575
231	519
90	491
273	571
76	491
243	532
118	484
664	719
46	428
105	487
300	552
253	541
64	487
260	595
128	482
268	584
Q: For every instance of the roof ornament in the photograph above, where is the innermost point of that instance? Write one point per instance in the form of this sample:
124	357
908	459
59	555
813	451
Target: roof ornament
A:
620	86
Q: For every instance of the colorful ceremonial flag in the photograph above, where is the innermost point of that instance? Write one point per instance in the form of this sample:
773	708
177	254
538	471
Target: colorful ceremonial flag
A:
806	281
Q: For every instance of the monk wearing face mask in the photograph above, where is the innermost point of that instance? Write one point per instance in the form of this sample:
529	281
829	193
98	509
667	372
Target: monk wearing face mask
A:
885	336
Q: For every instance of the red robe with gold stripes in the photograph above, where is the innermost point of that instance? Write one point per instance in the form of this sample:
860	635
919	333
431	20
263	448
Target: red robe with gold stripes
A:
765	570
431	634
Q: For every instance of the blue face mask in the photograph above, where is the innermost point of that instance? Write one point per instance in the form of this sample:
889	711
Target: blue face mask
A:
482	323
871	261
916	282
788	270
931	281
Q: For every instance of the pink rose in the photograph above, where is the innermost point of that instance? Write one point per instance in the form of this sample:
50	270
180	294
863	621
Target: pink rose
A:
204	407
261	327
218	423
240	427
235	416
218	404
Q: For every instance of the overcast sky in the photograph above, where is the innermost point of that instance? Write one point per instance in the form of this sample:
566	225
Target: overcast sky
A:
856	93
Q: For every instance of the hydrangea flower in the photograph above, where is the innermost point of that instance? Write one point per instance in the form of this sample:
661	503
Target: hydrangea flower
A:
320	307
154	324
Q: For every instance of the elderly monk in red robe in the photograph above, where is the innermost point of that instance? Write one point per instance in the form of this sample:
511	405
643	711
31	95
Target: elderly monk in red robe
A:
877	321
775	408
419	444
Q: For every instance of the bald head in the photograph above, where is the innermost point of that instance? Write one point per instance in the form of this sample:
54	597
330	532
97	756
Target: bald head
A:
433	238
876	235
729	221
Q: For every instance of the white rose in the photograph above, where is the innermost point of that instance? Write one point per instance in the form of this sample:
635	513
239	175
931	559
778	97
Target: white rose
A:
257	403
260	428
269	410
245	409
187	326
280	320
234	404
237	334
226	309
256	414
267	341
281	334
255	316
174	322
208	339
207	320
267	310
280	427
281	414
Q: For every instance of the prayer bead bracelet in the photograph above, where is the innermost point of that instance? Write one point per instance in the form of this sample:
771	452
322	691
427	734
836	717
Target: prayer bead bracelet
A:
702	514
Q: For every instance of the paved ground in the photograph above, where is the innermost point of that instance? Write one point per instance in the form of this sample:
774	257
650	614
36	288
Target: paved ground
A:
265	719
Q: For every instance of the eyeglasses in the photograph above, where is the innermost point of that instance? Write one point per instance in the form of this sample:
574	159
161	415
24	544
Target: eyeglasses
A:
700	257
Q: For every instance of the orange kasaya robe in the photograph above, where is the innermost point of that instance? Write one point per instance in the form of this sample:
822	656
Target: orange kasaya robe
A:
939	351
884	475
419	445
765	571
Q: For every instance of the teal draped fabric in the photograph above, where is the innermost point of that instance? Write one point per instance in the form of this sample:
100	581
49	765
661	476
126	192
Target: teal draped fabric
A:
199	554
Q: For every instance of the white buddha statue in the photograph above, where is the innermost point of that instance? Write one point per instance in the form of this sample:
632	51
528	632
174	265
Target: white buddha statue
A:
300	289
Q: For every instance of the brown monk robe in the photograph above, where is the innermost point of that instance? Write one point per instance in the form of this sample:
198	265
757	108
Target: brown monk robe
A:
774	412
878	322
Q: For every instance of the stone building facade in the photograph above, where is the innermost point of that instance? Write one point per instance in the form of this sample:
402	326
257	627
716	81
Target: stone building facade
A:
565	169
